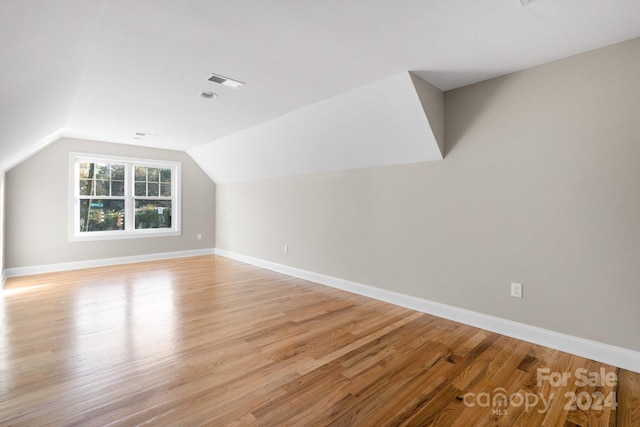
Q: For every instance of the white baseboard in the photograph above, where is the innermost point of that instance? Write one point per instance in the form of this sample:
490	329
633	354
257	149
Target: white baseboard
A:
51	268
605	353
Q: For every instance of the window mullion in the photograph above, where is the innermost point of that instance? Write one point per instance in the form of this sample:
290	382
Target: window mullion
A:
129	223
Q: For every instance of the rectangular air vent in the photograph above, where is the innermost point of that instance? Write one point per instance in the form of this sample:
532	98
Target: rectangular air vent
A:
215	78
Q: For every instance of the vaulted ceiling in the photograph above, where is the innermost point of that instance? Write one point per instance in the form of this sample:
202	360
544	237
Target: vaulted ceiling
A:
108	69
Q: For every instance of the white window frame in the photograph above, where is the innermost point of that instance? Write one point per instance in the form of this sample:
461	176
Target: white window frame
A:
129	232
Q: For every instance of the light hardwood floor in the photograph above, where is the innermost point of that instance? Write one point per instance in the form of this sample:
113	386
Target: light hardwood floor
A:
211	341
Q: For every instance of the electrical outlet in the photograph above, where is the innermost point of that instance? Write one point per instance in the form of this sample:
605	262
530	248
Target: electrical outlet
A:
199	236
516	290
285	249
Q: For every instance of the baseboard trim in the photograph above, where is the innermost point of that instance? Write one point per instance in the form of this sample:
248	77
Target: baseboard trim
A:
52	268
601	352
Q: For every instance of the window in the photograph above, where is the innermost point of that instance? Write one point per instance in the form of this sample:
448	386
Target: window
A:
118	197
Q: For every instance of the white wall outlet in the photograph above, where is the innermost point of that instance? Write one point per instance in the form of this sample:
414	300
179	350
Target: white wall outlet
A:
199	236
516	290
285	249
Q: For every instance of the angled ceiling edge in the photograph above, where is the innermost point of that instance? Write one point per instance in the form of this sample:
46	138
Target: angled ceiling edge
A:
381	124
432	101
23	154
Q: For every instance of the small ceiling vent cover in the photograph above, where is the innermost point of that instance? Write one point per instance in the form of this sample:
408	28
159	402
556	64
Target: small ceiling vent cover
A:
226	81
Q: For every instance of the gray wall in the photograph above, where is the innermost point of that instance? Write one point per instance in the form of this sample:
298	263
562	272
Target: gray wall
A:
2	204
541	185
37	197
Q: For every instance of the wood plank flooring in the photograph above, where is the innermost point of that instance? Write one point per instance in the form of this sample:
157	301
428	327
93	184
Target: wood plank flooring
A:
211	341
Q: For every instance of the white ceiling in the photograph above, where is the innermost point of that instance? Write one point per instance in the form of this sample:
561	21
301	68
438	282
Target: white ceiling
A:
106	69
390	122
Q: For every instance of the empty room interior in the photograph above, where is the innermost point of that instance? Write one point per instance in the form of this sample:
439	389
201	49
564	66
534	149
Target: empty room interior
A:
362	213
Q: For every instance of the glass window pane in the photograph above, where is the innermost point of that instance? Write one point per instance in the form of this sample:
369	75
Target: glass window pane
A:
141	189
153	175
95	179
165	175
152	189
84	168
165	190
140	173
153	214
117	172
85	187
98	181
117	188
102	188
102	171
101	215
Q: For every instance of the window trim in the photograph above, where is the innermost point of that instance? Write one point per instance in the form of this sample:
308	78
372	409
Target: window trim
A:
130	232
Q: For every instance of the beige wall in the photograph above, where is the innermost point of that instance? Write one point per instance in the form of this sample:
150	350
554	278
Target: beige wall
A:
37	192
541	185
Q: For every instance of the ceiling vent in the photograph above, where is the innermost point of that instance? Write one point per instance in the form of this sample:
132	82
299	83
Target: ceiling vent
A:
215	78
140	135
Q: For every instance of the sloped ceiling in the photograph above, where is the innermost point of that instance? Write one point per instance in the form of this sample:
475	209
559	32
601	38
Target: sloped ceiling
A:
380	124
106	69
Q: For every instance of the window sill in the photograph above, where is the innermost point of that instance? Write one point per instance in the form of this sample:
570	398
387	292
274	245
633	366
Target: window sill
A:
119	235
